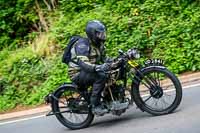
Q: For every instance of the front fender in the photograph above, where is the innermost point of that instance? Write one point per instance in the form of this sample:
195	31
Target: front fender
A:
139	73
151	67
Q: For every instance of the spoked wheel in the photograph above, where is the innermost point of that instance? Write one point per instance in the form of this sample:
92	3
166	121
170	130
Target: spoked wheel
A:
158	92
71	109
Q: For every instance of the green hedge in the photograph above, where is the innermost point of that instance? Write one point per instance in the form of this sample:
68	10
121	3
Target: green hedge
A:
158	28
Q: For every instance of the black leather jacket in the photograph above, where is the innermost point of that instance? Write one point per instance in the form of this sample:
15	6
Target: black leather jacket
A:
86	55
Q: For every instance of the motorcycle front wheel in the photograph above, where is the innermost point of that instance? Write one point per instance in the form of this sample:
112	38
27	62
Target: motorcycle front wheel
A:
157	91
71	109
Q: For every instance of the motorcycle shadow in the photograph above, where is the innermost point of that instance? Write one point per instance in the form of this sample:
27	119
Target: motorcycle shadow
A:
131	117
110	120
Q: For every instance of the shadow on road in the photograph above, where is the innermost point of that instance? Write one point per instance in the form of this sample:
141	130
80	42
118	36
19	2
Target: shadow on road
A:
131	117
118	120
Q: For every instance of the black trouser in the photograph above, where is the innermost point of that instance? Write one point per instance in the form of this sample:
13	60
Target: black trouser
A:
97	80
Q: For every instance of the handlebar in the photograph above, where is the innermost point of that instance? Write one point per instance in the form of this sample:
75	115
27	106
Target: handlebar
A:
130	54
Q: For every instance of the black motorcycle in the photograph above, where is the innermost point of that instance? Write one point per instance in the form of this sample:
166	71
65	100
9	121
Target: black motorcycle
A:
152	87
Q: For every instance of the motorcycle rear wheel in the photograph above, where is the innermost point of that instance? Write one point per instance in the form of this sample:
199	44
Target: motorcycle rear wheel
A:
71	109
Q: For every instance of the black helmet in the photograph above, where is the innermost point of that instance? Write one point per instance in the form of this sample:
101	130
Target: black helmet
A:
96	32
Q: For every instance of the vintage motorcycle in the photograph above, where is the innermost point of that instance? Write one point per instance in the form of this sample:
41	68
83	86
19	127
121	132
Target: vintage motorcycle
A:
152	87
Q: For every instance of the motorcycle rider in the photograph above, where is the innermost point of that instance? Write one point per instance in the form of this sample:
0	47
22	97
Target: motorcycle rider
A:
89	63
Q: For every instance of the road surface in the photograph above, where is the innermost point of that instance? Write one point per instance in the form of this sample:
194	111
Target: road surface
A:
186	119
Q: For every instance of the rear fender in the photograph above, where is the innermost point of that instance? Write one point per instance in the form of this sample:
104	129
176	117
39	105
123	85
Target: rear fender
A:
51	96
65	86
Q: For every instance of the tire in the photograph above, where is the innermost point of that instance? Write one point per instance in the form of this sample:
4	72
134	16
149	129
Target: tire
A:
61	116
139	97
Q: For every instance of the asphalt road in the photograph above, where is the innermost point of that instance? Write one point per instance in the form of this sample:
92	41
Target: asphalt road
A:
186	119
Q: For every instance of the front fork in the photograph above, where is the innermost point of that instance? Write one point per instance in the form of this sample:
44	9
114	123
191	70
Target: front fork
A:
148	82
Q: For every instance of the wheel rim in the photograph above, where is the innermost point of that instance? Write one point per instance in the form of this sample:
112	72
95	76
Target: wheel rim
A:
70	102
164	95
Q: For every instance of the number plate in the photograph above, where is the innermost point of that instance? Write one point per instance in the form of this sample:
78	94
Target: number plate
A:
153	62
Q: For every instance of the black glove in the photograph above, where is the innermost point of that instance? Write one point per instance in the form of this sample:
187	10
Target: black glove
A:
103	68
108	60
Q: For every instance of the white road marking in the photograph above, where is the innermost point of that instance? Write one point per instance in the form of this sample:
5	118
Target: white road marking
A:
184	87
24	119
190	86
145	95
35	117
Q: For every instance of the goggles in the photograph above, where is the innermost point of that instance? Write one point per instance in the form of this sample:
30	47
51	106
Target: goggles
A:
101	35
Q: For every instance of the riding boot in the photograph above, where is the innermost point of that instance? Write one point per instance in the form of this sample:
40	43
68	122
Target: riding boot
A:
97	108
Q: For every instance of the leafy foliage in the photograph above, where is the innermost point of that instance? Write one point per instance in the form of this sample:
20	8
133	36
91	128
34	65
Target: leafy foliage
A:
158	28
16	19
